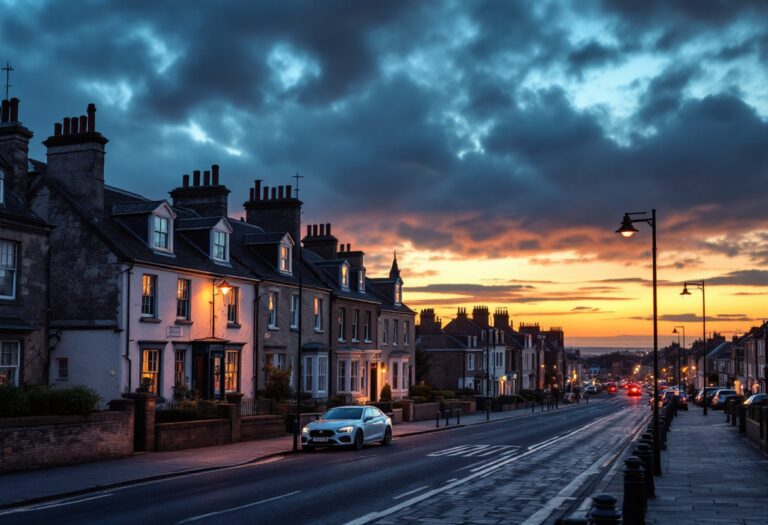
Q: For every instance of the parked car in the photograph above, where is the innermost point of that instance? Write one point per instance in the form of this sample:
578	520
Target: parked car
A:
350	426
569	397
591	390
682	400
611	388
718	399
710	391
756	399
634	390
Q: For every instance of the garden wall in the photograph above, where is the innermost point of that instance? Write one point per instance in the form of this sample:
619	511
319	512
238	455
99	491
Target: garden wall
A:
261	427
192	434
424	411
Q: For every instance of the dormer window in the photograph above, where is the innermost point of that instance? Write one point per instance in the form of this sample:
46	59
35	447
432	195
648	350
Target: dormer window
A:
398	293
220	246
345	276
284	258
160	238
361	281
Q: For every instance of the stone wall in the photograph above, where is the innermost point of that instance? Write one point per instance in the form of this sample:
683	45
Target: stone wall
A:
424	411
261	427
47	441
191	434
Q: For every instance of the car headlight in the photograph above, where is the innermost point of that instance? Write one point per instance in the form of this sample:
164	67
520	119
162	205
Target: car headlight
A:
305	430
345	430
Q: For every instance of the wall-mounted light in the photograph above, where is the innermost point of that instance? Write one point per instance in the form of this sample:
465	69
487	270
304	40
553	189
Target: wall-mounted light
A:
223	286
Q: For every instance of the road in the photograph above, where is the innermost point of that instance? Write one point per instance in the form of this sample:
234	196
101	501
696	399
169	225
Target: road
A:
502	472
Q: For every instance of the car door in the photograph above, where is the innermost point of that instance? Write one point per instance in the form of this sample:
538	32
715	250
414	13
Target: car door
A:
369	423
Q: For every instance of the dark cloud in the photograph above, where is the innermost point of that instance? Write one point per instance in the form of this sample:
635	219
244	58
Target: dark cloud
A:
741	278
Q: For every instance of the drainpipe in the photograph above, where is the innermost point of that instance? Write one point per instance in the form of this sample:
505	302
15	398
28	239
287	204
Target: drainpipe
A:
126	356
256	306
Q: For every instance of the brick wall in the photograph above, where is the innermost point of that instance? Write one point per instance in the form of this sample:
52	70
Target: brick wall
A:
46	441
262	427
191	434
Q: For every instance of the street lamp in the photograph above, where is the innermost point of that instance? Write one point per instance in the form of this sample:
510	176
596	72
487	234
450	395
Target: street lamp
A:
699	285
679	349
627	230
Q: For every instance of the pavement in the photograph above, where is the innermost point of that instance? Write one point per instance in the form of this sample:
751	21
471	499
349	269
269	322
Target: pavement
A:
711	474
36	486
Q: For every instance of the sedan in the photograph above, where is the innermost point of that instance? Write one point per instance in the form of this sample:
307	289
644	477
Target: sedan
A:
718	400
634	390
348	426
756	399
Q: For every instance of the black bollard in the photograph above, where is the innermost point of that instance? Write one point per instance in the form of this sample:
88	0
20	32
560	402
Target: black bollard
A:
604	510
645	453
727	411
458	416
437	419
741	410
447	415
633	508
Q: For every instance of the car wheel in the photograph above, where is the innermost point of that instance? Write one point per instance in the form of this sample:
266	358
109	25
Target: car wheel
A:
307	448
358	443
387	437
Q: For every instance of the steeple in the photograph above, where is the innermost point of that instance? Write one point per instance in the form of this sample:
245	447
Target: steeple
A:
394	272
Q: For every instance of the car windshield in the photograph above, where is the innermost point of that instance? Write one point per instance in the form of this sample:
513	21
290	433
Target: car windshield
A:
343	413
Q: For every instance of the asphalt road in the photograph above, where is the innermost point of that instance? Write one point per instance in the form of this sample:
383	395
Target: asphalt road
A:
343	486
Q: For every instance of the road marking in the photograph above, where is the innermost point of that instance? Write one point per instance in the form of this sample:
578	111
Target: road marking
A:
53	505
468	451
495	466
241	507
404	494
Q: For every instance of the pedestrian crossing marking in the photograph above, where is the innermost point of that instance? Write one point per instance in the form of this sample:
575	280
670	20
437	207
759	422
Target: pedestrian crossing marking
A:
478	451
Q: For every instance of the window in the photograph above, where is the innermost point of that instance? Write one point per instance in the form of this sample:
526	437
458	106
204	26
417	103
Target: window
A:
354	376
395	374
10	355
160	237
180	368
182	299
398	293
272	309
342	323
150	369
394	332
406	376
2	186
149	295
220	250
406	330
470	361
322	373
367	328
318	314
233	306
284	264
361	281
355	324
232	371
385	332
345	276
308	361
294	311
342	376
364	377
7	269
62	368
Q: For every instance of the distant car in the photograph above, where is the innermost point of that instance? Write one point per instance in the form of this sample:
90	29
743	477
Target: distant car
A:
756	399
710	391
718	400
569	397
682	400
634	390
612	388
349	426
590	390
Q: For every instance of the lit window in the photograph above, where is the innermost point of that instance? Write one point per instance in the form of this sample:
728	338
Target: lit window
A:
182	299
294	311
150	369
160	237
345	276
318	314
149	295
233	306
232	371
10	356
272	308
285	259
361	281
398	293
220	246
8	269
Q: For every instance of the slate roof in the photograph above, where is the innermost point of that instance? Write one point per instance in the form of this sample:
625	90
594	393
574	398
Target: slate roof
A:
133	208
196	223
327	270
264	238
721	351
14	208
441	341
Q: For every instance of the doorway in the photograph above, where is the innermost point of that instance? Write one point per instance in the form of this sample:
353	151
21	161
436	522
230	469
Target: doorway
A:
374	395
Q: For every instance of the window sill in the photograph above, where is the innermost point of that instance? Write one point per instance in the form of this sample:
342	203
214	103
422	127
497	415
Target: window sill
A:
319	331
183	322
235	326
153	320
273	328
367	341
294	329
341	340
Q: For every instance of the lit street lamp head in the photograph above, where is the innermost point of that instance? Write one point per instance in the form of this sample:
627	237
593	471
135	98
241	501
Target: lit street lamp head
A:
626	229
674	330
685	291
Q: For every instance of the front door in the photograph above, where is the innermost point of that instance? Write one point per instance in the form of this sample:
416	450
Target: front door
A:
200	378
217	365
374	382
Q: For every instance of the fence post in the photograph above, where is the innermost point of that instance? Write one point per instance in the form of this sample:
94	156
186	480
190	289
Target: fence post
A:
235	424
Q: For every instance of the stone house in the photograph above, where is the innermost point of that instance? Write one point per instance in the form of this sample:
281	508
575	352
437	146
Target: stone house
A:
24	260
451	358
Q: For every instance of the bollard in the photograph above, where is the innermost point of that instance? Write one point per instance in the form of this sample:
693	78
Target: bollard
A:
533	406
645	453
741	410
458	416
727	411
447	415
604	510
734	413
437	419
574	520
633	508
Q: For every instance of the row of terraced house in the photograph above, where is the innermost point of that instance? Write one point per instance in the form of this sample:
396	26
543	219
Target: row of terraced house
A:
103	287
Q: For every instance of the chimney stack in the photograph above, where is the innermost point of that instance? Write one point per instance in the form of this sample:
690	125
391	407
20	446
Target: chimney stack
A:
208	200
501	319
14	110
14	147
91	117
320	241
215	174
274	209
480	315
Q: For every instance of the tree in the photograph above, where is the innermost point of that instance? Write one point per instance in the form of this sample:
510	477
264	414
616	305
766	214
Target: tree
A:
422	362
386	393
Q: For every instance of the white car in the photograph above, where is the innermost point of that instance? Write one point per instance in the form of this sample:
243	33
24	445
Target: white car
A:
350	426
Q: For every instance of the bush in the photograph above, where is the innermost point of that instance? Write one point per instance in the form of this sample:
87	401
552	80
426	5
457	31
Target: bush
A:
188	410
386	393
422	390
47	401
445	394
278	385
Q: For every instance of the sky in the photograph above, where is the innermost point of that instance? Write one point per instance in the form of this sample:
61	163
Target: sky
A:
494	145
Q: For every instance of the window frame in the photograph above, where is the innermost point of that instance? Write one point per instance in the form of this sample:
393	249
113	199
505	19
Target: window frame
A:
65	368
318	312
230	374
367	326
342	324
394	332
344	276
406	330
273	309
356	325
187	313
177	354
15	246
354	375
16	368
288	269
295	307
341	376
145	350
215	233
233	307
361	281
322	375
160	220
149	301
385	332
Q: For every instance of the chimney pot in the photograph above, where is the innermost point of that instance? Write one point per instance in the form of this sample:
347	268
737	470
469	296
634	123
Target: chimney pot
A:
288	191
196	178
328	228
309	230
91	117
73	125
256	190
14	110
266	193
83	123
314	230
215	172
6	111
280	190
322	230
57	129
185	181
206	178
250	194
67	127
274	194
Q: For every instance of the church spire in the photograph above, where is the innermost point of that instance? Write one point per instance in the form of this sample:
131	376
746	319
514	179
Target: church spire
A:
394	272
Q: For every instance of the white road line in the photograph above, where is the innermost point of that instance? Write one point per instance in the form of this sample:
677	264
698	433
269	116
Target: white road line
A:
448	451
241	507
46	506
404	494
426	495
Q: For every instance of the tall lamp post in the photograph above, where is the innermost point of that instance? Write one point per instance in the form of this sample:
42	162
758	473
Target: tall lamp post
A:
699	285
628	230
679	349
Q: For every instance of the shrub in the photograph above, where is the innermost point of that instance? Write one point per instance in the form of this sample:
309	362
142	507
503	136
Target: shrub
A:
445	394
12	402
386	393
278	385
47	401
421	390
188	410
